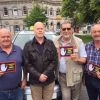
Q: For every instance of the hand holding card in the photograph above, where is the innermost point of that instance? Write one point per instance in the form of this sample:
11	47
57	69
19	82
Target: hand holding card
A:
1	73
74	57
93	69
98	74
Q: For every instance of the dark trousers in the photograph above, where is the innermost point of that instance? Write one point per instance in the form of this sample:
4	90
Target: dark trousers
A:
93	87
15	94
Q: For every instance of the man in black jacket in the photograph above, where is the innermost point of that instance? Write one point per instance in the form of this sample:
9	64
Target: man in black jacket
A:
41	62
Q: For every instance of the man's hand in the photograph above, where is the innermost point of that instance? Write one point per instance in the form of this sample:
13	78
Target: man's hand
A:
43	78
23	84
98	74
1	73
74	57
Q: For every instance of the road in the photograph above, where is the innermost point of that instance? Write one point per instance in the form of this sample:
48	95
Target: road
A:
84	95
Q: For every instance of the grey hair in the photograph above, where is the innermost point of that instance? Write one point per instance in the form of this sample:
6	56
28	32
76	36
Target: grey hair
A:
67	22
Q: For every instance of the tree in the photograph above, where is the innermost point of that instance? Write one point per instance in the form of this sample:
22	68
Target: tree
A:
85	11
95	7
68	8
89	10
82	11
36	14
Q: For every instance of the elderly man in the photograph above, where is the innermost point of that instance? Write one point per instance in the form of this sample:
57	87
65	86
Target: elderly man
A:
10	68
40	57
71	51
92	76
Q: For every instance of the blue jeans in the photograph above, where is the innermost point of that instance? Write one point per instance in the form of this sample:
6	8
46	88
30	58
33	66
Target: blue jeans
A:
15	94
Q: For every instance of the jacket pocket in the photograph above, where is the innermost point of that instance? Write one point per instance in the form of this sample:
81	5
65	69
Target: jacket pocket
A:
77	76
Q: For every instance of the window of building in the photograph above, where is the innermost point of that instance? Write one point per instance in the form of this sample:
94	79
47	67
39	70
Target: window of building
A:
58	12
46	10
58	25
5	11
15	11
51	24
47	26
51	11
25	11
16	28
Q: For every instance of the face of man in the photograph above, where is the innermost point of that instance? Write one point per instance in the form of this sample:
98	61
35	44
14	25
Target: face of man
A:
39	30
5	38
66	31
95	31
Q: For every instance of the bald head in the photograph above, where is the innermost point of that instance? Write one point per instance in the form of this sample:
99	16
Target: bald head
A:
39	29
37	24
4	30
5	38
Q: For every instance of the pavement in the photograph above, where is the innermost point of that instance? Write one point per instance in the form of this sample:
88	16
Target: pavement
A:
84	95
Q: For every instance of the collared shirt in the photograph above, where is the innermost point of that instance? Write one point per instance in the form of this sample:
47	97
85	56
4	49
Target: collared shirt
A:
39	46
12	78
93	53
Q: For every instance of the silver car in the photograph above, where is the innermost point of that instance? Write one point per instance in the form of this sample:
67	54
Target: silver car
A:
20	39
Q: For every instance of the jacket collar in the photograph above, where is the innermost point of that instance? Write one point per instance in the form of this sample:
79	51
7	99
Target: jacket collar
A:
35	40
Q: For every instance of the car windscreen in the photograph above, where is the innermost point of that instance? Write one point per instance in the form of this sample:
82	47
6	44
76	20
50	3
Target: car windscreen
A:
21	39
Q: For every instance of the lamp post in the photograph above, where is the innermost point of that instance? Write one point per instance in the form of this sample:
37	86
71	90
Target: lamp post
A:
0	21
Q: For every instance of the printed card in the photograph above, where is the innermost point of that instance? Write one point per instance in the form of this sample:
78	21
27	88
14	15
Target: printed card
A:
66	51
93	68
7	67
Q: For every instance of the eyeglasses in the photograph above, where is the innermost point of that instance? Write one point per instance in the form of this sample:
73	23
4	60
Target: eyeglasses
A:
64	29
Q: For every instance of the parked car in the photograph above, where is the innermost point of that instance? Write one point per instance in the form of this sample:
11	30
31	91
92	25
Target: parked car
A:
20	39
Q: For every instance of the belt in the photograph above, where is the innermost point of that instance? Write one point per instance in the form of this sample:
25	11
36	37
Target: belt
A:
62	73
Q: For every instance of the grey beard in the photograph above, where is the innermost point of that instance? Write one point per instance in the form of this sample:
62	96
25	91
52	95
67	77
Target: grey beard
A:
66	36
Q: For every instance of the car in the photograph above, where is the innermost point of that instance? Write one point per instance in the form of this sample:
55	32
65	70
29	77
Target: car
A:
20	39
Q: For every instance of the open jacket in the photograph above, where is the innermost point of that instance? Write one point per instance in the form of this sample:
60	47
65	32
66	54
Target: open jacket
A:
36	64
74	69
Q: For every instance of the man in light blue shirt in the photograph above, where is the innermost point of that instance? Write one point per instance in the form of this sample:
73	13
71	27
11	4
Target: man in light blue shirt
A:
72	55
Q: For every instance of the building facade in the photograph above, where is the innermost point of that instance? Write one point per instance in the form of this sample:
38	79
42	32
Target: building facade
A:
12	13
52	11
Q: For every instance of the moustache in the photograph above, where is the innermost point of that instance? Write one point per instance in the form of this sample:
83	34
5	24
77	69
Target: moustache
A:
67	36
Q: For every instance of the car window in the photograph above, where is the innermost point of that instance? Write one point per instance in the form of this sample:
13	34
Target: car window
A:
21	39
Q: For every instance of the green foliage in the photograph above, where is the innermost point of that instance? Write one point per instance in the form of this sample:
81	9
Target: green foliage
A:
95	7
89	10
82	11
68	8
85	38
36	14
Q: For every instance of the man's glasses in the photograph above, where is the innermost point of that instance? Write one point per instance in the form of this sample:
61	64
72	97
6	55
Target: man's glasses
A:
64	29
